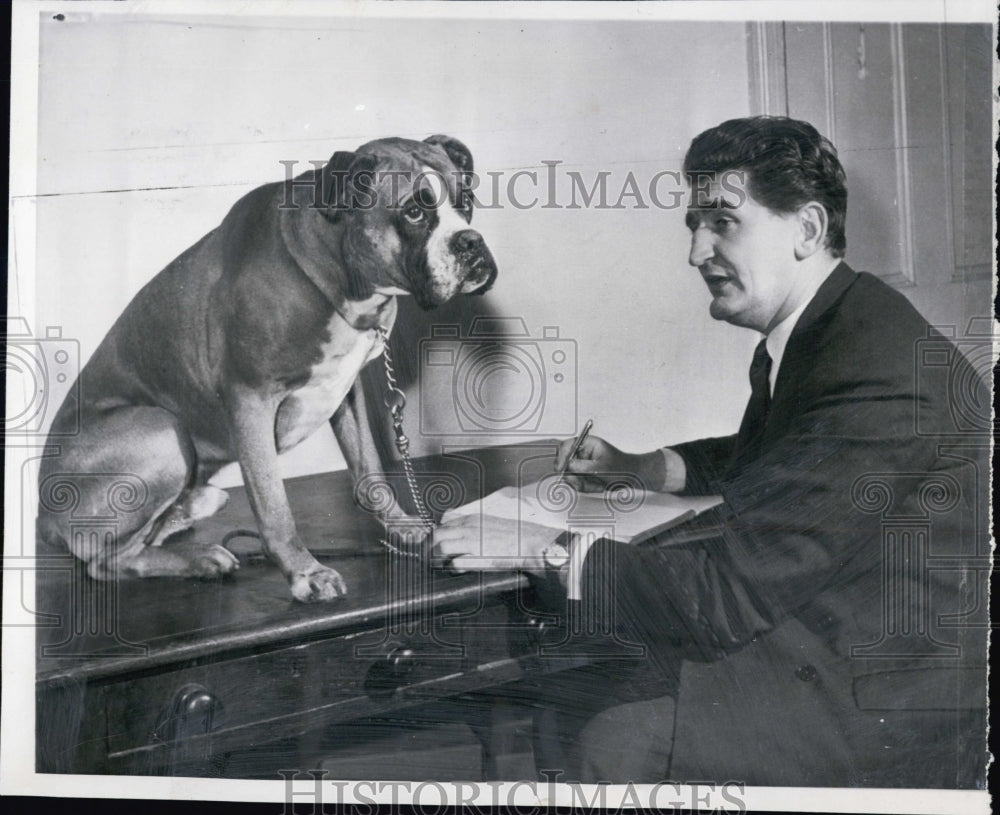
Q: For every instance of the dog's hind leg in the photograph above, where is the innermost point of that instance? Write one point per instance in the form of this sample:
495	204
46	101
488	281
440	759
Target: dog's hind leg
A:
132	466
192	505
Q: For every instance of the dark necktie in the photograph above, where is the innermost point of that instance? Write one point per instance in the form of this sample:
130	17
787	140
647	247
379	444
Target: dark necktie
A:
751	433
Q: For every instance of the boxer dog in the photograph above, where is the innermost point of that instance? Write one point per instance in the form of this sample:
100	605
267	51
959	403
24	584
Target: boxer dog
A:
246	343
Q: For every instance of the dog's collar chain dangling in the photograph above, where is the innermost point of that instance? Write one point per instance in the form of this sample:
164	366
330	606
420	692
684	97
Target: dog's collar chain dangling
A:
395	401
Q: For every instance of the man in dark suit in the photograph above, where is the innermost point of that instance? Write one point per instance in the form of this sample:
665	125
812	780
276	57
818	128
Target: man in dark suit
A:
827	626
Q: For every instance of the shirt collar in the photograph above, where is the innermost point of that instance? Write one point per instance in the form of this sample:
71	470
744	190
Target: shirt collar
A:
777	339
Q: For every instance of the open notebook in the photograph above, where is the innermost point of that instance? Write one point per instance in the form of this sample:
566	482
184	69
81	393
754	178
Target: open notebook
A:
631	517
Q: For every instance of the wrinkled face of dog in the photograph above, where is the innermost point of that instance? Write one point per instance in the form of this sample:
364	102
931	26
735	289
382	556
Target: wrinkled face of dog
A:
406	209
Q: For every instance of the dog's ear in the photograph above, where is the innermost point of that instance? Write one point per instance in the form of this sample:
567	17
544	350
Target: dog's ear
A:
346	174
459	154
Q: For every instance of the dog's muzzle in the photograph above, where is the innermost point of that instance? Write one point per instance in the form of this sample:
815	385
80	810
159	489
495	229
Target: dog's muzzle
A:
475	260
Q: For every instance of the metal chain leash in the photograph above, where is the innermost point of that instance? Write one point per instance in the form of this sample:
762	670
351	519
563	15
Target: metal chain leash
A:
395	401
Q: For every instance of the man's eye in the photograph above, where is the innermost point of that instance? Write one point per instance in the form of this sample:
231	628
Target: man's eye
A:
414	214
722	224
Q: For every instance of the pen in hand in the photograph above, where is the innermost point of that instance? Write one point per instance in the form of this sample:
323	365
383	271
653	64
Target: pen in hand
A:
576	448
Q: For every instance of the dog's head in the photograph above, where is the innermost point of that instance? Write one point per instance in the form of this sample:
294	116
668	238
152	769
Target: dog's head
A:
404	209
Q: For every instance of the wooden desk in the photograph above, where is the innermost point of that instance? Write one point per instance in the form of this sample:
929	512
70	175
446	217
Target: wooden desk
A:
166	676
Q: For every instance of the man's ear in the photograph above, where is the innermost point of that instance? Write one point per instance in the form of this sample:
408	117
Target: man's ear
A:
342	178
813	224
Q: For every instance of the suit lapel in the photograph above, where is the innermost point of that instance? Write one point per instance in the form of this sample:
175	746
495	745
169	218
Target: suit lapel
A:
750	440
803	335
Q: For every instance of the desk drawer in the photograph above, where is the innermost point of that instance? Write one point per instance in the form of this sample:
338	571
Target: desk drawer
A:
159	722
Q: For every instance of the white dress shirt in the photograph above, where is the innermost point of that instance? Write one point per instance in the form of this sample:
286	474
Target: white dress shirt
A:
776	342
780	334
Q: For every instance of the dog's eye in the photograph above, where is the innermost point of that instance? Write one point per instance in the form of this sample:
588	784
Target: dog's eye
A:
414	213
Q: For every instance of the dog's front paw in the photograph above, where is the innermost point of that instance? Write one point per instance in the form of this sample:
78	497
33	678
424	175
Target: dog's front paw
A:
318	584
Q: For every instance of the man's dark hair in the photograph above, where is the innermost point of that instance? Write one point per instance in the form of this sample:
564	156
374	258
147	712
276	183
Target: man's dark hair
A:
788	163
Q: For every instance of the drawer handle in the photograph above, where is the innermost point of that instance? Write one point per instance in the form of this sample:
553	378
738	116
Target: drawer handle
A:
194	711
388	673
399	662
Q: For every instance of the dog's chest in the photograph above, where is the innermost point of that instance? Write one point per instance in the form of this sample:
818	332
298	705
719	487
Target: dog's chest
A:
309	406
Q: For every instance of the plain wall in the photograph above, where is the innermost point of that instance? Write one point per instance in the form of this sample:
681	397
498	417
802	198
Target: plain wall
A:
149	129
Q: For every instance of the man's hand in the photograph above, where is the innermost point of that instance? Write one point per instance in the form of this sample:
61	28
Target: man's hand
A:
597	462
488	544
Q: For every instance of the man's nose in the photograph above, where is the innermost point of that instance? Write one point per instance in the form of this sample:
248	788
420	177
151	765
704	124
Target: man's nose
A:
701	247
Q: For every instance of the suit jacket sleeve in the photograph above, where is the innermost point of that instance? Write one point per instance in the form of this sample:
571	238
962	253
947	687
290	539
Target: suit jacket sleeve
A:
706	461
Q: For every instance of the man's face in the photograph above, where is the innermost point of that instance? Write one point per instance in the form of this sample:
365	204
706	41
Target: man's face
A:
746	256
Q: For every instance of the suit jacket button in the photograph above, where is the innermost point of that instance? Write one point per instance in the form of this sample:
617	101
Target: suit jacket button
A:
807	673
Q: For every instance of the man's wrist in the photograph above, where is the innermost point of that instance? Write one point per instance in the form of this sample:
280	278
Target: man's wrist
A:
650	470
661	470
674	470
